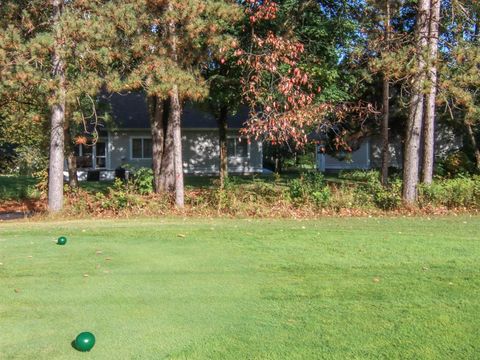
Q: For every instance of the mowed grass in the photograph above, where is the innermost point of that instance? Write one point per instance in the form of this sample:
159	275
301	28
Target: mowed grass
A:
362	288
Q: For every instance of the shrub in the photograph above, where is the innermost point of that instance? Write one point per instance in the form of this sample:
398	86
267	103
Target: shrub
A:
310	187
360	175
143	181
390	197
28	160
455	164
369	192
462	191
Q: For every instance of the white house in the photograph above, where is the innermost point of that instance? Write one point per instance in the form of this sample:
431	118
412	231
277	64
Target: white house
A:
129	141
369	154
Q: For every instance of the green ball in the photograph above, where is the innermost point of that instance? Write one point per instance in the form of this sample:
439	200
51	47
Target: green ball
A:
62	240
84	341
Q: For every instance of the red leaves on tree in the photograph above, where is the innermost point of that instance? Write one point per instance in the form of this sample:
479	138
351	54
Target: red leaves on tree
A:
278	91
261	10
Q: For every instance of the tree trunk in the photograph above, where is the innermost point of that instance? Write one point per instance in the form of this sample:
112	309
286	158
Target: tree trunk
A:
278	162
414	123
72	170
167	179
429	121
473	140
176	112
222	138
386	107
157	111
177	146
385	131
57	156
71	160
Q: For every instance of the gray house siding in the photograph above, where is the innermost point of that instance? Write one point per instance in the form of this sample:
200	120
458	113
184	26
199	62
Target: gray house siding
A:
368	156
200	152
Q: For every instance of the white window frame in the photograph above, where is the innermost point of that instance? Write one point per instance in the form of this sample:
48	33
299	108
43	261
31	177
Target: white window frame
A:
237	140
94	153
143	147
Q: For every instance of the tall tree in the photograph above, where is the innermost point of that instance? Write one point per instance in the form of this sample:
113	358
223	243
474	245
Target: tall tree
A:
55	47
176	113
179	40
415	118
459	78
386	102
431	96
57	139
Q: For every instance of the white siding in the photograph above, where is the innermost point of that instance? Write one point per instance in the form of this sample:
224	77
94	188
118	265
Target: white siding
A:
200	152
359	159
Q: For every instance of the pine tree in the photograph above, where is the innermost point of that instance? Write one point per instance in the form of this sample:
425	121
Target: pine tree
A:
65	50
415	118
431	96
180	40
459	78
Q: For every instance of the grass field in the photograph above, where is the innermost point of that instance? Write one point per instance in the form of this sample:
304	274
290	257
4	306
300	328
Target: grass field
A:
361	288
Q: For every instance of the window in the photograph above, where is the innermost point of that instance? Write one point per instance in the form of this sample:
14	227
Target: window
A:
141	148
237	147
100	155
92	156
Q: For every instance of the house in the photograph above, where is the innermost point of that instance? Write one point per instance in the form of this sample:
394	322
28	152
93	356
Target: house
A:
369	154
128	141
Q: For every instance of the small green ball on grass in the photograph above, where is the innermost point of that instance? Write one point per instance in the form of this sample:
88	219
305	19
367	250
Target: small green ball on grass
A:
62	240
84	341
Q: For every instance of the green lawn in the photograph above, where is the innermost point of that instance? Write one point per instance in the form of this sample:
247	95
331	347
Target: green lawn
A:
16	187
362	288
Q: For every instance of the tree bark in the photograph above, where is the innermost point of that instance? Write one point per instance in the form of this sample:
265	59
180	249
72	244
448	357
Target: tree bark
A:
167	179
429	121
278	161
414	123
386	107
71	160
473	140
177	145
176	113
57	141
222	138
158	138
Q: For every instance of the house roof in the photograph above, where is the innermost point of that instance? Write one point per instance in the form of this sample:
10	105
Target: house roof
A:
130	111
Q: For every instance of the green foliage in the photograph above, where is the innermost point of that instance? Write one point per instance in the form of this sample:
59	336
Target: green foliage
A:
256	194
143	181
454	164
360	175
29	160
370	192
18	188
458	192
119	197
310	187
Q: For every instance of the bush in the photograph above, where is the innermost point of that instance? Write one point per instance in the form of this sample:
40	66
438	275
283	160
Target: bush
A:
310	187
454	164
462	191
236	195
390	197
369	192
143	181
29	160
360	175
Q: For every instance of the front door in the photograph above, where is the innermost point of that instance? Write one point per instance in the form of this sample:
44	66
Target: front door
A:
91	156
